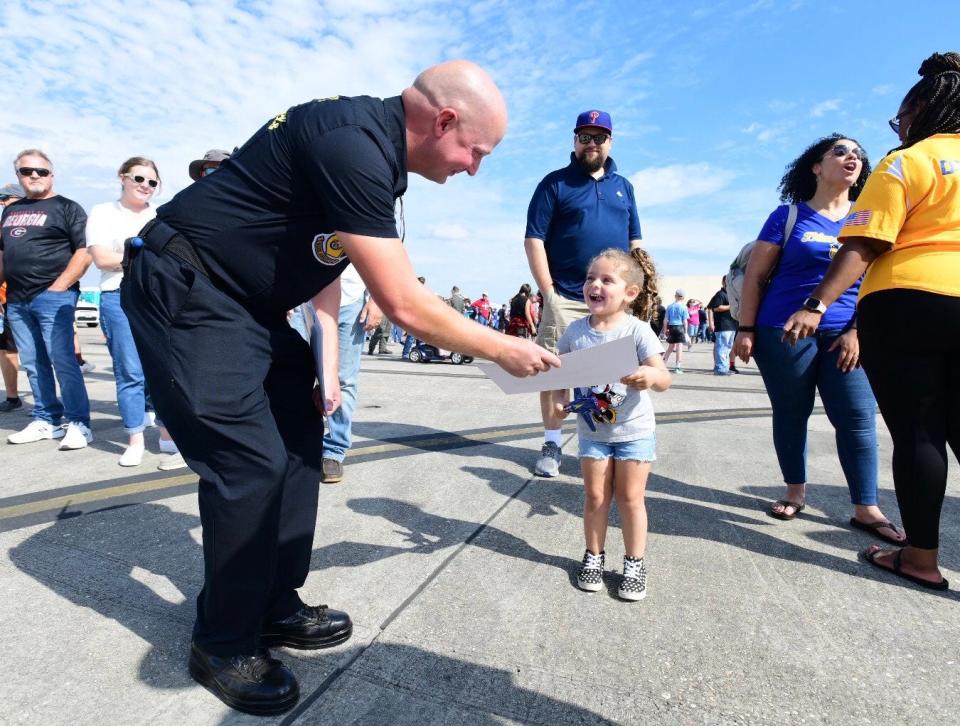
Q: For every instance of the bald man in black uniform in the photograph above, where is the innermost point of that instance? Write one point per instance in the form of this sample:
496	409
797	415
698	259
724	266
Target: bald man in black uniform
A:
207	296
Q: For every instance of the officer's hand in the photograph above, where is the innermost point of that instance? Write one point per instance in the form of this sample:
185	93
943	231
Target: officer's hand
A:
521	358
327	405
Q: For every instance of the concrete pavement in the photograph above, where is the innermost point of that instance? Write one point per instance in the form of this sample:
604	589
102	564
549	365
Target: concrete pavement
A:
457	567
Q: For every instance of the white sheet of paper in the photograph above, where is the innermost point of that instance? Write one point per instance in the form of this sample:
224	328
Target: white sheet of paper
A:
597	366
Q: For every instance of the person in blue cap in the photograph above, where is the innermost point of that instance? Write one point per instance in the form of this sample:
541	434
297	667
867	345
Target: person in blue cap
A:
575	213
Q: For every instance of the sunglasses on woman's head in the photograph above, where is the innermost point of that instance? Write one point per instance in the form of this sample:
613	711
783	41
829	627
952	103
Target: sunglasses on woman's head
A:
137	179
843	150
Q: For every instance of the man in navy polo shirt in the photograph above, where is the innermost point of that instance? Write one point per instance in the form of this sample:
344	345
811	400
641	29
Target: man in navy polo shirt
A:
575	213
207	295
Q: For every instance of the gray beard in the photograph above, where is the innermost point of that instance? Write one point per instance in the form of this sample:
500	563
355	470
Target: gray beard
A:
592	165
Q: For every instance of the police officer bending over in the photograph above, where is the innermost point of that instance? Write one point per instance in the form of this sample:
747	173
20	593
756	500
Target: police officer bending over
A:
207	297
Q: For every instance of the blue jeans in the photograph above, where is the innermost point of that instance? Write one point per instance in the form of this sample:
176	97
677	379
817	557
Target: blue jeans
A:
791	374
43	330
408	344
722	345
131	397
336	438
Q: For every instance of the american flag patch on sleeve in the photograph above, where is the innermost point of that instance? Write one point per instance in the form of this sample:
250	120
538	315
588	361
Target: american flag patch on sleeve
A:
858	219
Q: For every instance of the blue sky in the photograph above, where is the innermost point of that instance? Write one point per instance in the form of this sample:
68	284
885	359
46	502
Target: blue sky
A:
709	99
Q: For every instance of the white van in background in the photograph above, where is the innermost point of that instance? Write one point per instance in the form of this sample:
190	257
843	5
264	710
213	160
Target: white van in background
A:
88	307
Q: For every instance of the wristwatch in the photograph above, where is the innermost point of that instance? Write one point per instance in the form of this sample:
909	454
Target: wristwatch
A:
814	305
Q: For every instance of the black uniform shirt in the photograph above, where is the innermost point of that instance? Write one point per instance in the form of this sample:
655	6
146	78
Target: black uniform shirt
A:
263	224
38	237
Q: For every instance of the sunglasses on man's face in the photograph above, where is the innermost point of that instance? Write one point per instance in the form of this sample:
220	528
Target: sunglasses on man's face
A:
208	170
843	150
30	170
598	139
137	179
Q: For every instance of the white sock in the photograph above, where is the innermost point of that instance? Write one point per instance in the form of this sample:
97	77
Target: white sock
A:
552	435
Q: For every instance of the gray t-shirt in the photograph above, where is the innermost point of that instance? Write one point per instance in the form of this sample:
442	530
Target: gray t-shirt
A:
626	414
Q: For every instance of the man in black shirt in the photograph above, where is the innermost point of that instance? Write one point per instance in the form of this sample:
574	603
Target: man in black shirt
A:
207	296
723	327
42	257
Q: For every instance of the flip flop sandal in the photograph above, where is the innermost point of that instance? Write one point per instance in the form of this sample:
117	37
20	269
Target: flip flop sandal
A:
870	556
797	508
874	529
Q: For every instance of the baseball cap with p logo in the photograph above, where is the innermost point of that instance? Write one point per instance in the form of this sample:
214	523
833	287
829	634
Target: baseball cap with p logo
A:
599	119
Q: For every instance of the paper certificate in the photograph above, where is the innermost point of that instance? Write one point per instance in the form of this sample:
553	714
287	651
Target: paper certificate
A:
596	366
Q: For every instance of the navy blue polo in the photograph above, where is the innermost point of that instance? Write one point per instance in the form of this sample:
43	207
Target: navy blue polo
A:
264	224
577	216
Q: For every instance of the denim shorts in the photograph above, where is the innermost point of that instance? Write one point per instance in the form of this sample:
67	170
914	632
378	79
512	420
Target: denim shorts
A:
644	449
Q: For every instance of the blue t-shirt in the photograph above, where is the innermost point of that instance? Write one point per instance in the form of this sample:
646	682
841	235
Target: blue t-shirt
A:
803	263
578	216
677	314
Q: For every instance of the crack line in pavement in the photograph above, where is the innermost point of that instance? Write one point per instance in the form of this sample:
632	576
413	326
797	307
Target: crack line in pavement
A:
333	677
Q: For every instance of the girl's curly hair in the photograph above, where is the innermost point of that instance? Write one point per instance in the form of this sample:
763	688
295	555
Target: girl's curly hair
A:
637	269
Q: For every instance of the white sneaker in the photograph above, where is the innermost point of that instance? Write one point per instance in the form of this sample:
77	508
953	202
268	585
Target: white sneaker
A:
77	437
36	431
633	586
132	456
171	462
87	366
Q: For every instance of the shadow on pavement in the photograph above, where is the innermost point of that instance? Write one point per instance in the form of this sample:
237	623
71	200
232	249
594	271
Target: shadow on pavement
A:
686	512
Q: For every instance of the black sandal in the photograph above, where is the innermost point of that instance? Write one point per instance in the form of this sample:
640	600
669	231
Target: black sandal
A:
875	528
797	508
870	555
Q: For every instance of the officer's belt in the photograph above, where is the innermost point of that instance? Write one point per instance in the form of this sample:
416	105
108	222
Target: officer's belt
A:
161	238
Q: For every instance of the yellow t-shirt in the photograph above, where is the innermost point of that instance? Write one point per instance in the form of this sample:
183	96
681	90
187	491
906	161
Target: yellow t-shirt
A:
912	200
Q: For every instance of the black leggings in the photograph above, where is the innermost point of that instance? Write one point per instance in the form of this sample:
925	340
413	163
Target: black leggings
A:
910	349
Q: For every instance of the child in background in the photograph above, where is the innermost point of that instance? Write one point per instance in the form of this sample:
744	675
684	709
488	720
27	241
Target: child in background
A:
616	424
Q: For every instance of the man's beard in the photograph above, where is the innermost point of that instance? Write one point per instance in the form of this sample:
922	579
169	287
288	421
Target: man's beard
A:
591	164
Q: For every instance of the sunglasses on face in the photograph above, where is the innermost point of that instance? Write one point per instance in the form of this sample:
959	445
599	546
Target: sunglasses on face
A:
843	150
598	139
895	124
30	170
208	170
137	179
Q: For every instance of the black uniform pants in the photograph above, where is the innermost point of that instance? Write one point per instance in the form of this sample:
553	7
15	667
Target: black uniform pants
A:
910	349
236	396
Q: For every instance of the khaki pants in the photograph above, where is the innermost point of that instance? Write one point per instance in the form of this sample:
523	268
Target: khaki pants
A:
558	312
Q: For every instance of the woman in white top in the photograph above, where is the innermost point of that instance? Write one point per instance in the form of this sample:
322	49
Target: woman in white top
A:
108	225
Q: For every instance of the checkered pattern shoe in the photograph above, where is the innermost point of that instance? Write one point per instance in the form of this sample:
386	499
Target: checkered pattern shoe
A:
634	583
590	577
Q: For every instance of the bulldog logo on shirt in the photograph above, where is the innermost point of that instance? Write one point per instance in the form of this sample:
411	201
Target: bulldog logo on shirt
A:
327	249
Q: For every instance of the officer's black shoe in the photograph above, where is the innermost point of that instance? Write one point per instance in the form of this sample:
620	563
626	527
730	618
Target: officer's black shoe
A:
309	628
256	684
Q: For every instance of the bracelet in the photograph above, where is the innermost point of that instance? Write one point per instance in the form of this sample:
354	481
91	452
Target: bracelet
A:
747	329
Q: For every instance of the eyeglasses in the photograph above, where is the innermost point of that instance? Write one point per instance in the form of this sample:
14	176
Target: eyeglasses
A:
843	150
895	124
137	179
30	170
598	139
208	170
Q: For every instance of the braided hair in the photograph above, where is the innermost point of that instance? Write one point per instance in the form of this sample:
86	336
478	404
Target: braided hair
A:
937	98
637	269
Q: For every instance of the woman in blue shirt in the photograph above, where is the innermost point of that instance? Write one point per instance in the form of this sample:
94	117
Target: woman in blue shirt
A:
822	184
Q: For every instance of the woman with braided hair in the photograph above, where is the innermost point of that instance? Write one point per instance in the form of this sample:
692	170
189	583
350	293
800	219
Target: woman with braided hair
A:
905	233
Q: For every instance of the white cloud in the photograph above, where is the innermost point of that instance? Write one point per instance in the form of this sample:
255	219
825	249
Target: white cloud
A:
825	107
690	246
882	90
453	232
667	184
